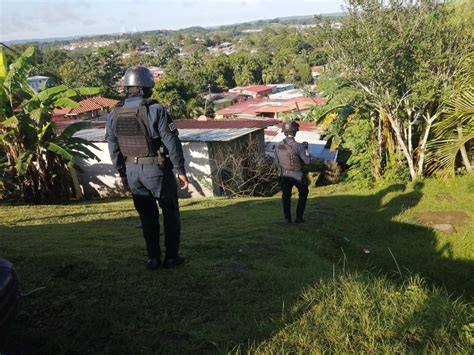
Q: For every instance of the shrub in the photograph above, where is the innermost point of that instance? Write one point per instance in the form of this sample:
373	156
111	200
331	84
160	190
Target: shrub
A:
246	173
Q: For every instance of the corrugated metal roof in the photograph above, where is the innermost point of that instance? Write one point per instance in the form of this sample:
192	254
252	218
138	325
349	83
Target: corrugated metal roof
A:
185	135
214	135
257	88
251	88
92	134
224	124
288	94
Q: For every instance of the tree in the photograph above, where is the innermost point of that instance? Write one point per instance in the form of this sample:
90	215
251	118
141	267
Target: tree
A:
37	158
50	63
221	72
178	96
209	112
247	69
403	55
166	53
456	129
101	69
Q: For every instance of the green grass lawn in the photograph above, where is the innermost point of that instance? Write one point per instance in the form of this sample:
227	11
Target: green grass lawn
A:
250	283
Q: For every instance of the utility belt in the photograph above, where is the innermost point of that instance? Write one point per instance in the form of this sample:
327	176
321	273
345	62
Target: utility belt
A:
158	160
284	171
295	174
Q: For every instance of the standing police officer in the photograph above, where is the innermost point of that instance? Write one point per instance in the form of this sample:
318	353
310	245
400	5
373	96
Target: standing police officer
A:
144	148
291	156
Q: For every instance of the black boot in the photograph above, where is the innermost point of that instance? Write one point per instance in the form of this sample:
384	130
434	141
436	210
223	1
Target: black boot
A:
153	263
173	262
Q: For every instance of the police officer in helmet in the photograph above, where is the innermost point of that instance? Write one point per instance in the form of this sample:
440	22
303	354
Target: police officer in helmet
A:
144	148
291	157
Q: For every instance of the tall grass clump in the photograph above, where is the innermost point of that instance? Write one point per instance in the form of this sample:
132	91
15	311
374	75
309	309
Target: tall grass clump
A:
364	313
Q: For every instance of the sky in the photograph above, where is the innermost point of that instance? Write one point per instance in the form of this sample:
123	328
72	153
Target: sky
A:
38	19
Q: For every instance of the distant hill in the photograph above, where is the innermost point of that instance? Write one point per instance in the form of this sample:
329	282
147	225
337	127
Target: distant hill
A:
290	20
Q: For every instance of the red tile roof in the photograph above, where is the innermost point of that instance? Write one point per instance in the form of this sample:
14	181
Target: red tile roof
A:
86	105
104	102
224	124
256	88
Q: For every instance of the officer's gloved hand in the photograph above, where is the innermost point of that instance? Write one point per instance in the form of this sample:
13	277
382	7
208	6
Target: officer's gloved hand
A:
305	145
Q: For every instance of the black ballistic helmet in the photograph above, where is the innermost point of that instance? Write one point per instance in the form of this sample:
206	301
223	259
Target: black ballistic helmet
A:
290	127
138	76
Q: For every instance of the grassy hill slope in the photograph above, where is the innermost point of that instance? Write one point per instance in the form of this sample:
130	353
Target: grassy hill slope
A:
250	282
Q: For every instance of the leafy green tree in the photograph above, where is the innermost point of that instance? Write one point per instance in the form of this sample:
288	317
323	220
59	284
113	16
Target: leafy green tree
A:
51	61
166	53
102	69
178	96
38	158
156	41
247	69
221	72
209	112
359	140
403	55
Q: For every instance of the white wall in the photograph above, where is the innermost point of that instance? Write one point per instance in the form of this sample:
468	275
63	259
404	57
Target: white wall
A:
198	170
100	179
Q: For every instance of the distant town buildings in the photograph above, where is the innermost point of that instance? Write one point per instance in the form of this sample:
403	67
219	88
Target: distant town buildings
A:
256	91
88	44
226	99
270	108
288	94
223	48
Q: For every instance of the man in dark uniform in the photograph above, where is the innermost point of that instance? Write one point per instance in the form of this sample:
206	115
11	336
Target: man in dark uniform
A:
291	156
144	148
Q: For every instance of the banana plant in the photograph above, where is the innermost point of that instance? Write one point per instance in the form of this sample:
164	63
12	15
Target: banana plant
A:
455	131
36	159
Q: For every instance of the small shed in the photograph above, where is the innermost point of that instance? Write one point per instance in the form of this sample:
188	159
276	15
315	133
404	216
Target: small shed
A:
205	144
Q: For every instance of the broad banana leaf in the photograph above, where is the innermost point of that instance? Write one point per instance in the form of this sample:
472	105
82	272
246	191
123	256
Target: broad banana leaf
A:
53	147
23	162
3	74
18	73
11	122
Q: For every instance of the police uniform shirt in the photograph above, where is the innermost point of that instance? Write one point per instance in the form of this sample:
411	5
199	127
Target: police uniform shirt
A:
160	125
299	150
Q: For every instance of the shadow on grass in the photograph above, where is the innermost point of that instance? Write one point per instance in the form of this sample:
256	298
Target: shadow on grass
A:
244	268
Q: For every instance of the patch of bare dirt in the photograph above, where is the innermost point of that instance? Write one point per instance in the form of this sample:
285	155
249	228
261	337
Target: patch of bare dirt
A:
444	220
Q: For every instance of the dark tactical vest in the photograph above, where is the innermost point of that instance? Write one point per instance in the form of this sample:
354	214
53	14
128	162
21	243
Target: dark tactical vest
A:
133	133
288	159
